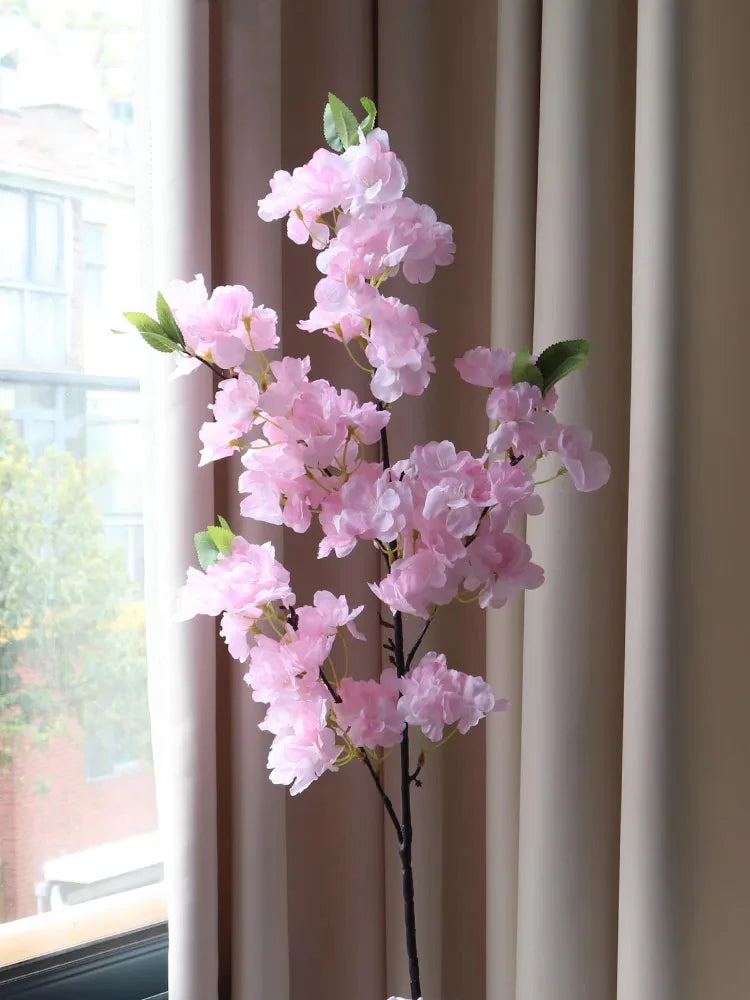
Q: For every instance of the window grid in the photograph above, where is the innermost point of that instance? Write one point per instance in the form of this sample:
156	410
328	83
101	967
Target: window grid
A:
41	334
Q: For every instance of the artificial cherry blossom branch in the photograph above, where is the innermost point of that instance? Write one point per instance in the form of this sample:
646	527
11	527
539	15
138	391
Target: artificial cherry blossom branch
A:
446	521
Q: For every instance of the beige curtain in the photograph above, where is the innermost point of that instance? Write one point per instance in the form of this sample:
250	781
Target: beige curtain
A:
593	157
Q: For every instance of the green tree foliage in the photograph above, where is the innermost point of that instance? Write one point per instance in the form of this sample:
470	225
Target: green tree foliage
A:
72	646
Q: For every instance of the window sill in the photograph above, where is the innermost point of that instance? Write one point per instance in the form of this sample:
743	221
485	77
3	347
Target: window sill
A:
33	938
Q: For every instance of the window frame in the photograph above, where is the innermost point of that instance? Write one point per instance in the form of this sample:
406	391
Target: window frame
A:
128	966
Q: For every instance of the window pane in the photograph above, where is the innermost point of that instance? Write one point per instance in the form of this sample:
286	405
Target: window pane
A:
46	334
14	245
47	265
11	324
77	802
92	287
93	242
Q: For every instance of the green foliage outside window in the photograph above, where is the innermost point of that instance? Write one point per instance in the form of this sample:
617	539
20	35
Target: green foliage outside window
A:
72	645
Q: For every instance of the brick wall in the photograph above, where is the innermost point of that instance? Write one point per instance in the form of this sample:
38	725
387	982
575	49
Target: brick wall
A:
48	808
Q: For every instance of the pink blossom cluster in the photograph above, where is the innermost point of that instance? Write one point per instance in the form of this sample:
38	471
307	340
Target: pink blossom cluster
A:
430	696
313	723
224	327
312	438
523	422
372	233
448	523
242	584
446	515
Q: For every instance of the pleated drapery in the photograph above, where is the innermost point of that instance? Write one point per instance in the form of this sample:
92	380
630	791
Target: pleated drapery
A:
592	842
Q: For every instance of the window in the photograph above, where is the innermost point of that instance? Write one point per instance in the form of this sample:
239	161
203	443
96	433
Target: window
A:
93	262
33	300
82	903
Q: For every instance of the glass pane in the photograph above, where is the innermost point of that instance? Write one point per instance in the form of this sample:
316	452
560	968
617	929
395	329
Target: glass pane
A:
47	265
14	245
92	287
46	334
11	324
93	242
78	816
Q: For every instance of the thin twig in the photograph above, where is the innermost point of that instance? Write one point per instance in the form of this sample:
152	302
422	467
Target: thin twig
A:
223	373
386	801
417	644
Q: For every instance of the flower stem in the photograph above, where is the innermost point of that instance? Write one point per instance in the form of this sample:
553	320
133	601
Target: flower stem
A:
405	847
405	841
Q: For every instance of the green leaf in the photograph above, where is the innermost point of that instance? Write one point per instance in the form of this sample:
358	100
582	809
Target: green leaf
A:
159	341
222	538
559	360
524	370
329	130
225	524
206	550
168	322
346	124
143	322
121	333
367	124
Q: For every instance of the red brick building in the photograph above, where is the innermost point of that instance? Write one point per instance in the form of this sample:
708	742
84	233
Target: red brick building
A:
50	809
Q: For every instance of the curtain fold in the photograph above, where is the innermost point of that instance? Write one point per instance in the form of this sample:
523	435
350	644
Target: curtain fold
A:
593	159
573	626
180	501
512	324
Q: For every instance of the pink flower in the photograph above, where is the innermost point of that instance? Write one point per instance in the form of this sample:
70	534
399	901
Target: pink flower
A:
234	409
262	329
303	226
499	567
213	328
387	236
315	188
456	485
417	582
273	472
218	442
588	469
341	305
327	615
430	242
368	711
313	440
187	299
290	376
369	506
198	596
242	582
365	418
482	366
376	174
281	200
525	425
235	403
234	630
512	490
432	697
304	747
290	667
398	350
